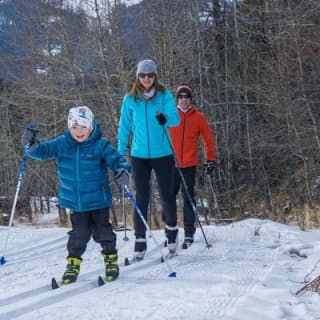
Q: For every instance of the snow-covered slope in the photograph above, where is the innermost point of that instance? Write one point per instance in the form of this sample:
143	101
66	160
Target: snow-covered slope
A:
242	276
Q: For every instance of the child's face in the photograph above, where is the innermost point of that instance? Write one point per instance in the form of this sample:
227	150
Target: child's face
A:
80	133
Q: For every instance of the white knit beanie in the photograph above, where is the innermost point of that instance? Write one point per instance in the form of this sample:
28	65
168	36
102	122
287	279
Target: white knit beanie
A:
81	115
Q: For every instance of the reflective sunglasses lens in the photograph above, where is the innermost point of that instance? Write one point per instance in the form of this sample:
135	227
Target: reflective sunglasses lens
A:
181	96
149	75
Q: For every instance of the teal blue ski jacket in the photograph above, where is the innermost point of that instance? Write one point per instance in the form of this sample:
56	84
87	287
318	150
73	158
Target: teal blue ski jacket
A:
138	117
82	169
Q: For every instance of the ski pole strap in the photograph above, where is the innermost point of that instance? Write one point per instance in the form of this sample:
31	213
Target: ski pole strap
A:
23	161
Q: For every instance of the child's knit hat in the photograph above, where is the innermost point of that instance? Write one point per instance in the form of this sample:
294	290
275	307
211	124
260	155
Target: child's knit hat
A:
81	116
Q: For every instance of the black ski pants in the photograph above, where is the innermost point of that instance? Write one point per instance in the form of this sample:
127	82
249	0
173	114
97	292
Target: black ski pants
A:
189	175
164	170
90	223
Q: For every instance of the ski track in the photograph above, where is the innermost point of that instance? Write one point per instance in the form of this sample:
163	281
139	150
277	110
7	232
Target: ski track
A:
24	302
215	304
244	276
42	247
43	250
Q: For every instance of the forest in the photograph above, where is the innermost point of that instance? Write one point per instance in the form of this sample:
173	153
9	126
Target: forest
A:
254	66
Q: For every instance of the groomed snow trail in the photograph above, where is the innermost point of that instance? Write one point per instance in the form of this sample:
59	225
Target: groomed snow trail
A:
216	281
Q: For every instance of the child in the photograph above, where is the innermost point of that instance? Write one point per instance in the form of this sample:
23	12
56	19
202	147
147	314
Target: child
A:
82	158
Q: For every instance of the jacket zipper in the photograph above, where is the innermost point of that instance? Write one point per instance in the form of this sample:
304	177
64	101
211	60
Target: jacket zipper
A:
182	140
78	182
147	126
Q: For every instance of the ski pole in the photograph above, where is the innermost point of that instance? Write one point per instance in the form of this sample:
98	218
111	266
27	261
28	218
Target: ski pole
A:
21	174
172	273
214	196
124	214
208	245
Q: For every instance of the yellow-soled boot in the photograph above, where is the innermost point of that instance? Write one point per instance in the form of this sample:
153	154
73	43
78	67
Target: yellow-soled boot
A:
72	271
111	265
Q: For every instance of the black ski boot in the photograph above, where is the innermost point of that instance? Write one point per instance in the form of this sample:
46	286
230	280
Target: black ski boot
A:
111	265
188	241
172	236
140	248
72	271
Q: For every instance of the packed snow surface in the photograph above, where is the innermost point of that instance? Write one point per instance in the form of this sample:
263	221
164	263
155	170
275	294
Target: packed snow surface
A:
252	271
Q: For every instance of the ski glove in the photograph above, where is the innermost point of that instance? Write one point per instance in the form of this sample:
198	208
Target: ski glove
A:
209	167
161	118
28	138
122	177
123	163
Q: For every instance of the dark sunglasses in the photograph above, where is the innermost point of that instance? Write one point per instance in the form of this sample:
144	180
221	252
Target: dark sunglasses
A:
186	96
143	75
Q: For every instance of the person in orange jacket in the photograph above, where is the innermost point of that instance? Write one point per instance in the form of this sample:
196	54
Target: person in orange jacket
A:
185	140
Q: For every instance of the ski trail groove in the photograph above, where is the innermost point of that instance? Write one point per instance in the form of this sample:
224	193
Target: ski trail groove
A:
244	275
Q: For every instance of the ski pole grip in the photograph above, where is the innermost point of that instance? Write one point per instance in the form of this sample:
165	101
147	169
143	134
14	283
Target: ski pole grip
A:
31	126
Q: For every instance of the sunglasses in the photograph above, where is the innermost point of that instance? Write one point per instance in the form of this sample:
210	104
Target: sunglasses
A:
186	96
143	75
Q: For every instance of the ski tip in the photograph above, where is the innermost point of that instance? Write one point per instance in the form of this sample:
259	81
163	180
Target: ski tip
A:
101	281
172	275
54	284
2	260
126	261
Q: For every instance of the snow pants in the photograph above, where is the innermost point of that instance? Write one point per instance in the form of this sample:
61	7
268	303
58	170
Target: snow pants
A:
90	223
189	175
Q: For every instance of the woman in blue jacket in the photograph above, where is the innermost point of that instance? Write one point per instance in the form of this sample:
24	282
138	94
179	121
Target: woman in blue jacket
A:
83	158
146	111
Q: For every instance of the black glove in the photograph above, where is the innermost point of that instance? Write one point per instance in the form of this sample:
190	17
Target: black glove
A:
161	118
209	167
28	138
122	177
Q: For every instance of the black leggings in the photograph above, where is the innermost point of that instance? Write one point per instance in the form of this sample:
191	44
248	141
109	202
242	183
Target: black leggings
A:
90	223
189	175
164	170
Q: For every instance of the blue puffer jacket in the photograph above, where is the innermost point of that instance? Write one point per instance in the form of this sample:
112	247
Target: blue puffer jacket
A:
82	169
139	117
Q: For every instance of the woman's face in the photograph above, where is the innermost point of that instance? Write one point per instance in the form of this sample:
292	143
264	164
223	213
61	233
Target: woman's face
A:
80	133
146	80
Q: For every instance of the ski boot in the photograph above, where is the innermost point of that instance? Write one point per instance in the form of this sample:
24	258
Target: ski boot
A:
188	241
172	236
111	265
140	248
72	271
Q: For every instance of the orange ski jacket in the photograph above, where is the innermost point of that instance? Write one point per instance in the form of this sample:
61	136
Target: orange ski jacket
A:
185	138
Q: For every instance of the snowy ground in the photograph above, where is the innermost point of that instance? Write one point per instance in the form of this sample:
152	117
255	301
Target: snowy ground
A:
242	276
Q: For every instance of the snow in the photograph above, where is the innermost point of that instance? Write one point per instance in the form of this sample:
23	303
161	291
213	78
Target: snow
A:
89	6
243	276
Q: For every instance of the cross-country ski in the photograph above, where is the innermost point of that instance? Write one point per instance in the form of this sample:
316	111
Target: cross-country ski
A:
55	284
